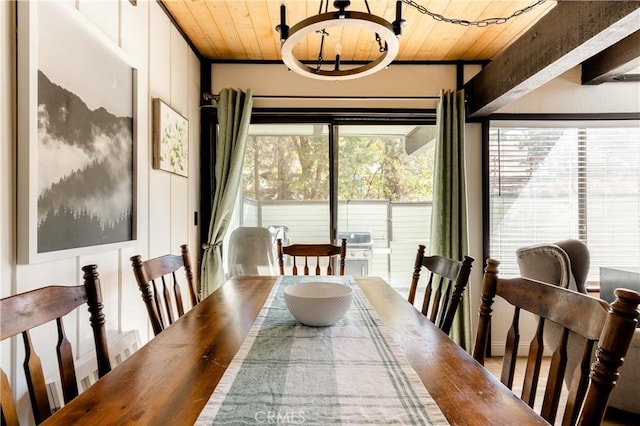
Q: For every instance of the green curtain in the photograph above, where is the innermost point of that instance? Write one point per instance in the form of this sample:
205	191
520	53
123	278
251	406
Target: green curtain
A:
234	116
449	215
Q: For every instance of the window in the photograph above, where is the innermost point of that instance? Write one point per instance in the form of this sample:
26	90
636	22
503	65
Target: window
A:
550	181
383	176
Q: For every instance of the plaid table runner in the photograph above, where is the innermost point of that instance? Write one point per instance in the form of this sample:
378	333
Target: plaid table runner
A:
350	373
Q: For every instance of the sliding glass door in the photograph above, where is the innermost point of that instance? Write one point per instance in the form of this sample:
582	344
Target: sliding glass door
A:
379	176
286	181
385	191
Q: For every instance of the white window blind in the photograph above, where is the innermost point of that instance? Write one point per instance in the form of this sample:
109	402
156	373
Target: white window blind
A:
559	180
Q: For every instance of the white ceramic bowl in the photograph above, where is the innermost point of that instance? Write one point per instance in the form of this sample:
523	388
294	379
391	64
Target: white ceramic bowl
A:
318	304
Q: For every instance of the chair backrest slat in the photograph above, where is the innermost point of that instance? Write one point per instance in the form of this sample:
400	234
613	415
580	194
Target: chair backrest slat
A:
9	413
35	381
67	368
166	296
440	300
611	326
313	252
534	363
25	311
435	304
177	293
551	401
163	303
157	303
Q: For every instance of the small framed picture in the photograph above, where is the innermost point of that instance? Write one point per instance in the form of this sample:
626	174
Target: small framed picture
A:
170	139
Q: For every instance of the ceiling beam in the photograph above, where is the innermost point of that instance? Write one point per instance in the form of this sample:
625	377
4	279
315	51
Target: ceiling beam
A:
612	62
569	34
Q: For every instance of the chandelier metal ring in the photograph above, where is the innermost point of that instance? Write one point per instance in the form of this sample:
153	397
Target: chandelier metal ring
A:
328	20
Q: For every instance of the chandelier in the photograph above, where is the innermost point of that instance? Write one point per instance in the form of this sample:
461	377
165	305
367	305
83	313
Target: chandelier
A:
386	35
336	22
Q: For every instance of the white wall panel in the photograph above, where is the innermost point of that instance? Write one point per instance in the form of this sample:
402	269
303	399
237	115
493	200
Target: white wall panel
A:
7	150
193	92
104	15
159	53
179	212
148	38
7	170
179	101
179	73
134	38
159	87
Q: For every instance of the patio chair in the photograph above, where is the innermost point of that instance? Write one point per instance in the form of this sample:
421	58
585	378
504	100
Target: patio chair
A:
251	252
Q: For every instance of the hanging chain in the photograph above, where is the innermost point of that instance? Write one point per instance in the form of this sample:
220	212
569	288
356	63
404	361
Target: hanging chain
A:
481	23
438	17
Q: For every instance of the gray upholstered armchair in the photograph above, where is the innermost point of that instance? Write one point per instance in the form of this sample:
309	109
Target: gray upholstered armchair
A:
566	263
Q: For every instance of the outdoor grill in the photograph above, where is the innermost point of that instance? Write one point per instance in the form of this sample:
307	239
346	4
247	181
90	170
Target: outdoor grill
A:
359	251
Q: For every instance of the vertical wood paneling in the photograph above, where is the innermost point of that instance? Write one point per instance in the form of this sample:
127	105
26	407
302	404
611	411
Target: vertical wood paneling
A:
7	165
134	36
179	203
193	94
104	15
159	86
159	75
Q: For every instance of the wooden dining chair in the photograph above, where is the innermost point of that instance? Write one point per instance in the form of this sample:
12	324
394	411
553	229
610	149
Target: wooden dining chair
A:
164	303
611	327
329	252
25	311
446	282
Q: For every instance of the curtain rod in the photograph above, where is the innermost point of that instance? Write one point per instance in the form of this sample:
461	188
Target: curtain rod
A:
209	97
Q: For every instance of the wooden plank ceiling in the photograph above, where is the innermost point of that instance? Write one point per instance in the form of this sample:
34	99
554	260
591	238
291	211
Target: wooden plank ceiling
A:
232	30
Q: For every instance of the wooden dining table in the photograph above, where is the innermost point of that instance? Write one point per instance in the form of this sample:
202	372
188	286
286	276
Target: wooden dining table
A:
170	379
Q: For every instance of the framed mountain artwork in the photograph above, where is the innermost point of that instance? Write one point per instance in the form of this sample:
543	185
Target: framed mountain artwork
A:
76	97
